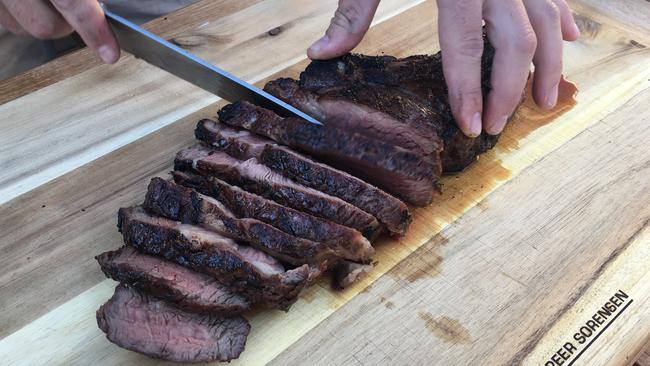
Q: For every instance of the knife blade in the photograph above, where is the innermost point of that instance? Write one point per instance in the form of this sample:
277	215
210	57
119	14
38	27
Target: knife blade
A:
181	63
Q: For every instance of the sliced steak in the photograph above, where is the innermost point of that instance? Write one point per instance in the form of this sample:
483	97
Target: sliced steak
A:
420	78
246	204
186	289
390	211
257	178
236	142
376	111
141	323
242	144
346	273
247	271
397	170
176	202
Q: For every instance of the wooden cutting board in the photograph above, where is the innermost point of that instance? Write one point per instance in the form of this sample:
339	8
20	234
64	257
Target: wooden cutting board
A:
517	256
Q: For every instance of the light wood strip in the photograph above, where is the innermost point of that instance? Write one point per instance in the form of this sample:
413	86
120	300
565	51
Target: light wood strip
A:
633	15
629	334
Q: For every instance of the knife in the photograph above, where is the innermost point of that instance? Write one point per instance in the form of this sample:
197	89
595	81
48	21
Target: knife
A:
177	61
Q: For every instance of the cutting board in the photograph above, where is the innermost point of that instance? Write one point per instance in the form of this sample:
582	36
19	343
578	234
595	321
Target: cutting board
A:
511	265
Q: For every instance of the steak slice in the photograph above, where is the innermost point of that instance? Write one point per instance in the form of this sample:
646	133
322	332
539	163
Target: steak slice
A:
186	289
257	178
397	170
372	110
419	77
246	204
247	271
390	211
236	142
176	202
141	323
346	273
242	144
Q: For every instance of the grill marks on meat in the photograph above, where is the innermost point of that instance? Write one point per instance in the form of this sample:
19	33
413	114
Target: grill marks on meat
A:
140	323
247	271
368	109
397	170
390	211
419	78
257	178
170	200
246	204
186	289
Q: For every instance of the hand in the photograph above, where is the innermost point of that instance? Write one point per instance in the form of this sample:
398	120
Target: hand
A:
47	19
521	31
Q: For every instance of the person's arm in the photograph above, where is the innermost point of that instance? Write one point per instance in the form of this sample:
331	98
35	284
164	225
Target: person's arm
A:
521	31
47	19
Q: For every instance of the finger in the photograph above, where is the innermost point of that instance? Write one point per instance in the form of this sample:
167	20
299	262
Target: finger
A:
544	16
513	38
570	30
87	18
461	41
350	23
38	18
9	22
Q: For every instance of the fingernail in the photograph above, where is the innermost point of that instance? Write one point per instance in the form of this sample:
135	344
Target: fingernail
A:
576	29
107	54
320	44
497	127
475	125
551	97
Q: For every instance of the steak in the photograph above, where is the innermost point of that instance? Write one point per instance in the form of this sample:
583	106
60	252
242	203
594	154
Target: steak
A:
141	323
395	169
373	110
176	202
246	204
390	211
243	205
257	178
419	78
247	271
186	289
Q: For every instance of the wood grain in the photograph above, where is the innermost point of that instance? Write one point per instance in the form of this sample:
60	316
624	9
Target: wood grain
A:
632	14
177	23
504	265
644	357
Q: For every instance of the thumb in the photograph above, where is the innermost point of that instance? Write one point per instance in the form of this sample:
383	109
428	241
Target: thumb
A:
348	26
